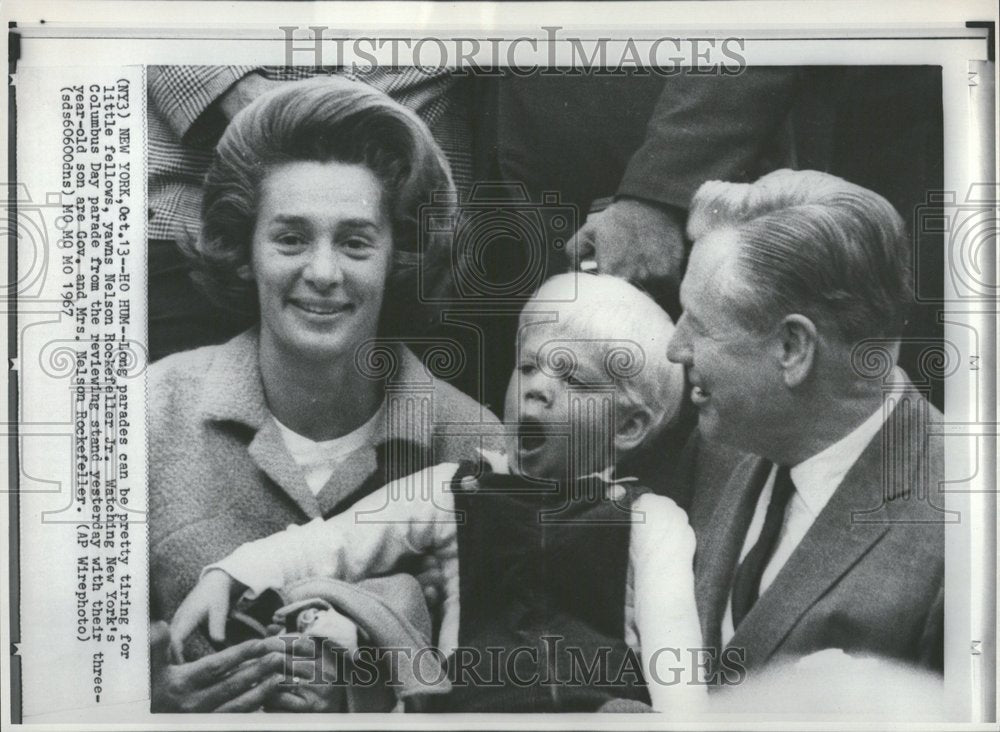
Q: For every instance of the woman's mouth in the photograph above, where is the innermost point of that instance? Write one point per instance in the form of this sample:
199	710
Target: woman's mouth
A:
321	308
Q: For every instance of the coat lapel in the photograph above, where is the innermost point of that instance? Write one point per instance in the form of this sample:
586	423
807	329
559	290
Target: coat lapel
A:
270	454
719	546
833	544
234	393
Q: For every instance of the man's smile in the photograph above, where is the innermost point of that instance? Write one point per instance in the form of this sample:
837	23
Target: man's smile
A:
699	396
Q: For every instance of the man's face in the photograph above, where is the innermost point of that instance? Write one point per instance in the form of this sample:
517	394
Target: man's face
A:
734	372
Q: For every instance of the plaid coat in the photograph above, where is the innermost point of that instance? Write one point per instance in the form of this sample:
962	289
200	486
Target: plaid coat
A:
185	123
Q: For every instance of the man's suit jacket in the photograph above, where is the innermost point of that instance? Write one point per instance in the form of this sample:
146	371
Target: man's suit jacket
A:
868	577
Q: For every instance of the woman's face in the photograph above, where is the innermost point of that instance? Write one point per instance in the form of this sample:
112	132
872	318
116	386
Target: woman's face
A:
321	251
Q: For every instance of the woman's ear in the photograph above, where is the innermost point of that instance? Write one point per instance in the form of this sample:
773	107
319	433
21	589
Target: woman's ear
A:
798	348
633	427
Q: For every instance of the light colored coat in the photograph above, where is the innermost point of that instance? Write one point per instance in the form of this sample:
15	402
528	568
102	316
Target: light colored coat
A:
220	474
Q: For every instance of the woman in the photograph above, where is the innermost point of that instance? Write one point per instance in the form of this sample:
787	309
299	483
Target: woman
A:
311	216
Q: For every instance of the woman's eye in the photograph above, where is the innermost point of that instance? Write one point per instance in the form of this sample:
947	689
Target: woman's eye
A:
526	369
291	240
357	245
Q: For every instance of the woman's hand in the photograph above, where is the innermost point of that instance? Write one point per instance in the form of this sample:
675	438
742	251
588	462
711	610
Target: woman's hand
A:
209	599
313	678
432	578
238	679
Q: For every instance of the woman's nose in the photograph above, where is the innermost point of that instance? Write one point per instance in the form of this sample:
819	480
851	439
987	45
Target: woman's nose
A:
323	270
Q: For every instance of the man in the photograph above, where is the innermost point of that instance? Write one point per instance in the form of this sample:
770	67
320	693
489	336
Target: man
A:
630	149
829	534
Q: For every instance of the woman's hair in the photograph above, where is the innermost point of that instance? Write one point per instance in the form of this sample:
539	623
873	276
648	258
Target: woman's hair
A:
815	244
621	328
325	120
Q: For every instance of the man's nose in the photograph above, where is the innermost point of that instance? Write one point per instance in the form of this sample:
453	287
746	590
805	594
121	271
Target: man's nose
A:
323	270
679	347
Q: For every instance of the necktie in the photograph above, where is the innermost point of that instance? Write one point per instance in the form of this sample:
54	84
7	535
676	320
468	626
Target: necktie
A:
746	585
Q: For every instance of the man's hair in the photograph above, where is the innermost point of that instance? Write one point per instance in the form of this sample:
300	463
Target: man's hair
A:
624	331
814	244
323	120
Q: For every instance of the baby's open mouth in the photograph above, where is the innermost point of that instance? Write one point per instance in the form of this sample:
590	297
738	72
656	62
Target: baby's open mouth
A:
530	435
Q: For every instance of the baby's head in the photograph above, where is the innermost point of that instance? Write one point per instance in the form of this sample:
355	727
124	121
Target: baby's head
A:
592	382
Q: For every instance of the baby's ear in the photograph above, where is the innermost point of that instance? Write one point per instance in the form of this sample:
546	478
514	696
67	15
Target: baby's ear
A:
633	427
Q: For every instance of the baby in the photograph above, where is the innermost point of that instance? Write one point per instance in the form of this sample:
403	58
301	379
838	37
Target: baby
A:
566	584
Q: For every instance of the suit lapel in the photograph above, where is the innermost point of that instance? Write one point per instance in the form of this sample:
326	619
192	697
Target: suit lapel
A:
719	545
833	544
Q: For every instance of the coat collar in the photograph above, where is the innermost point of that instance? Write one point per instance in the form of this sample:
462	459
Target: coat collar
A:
233	394
856	518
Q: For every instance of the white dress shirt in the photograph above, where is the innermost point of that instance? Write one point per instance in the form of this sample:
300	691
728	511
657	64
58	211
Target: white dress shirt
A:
816	480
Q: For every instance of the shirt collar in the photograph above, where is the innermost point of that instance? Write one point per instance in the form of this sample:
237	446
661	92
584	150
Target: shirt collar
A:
234	390
818	477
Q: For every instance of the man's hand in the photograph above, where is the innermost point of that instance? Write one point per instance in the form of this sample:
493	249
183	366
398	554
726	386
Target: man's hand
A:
243	92
238	679
639	241
209	599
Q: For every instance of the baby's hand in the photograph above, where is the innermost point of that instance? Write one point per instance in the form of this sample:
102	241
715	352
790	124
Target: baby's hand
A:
209	599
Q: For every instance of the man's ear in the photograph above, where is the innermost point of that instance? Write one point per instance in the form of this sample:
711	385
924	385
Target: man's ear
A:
244	273
633	427
798	348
